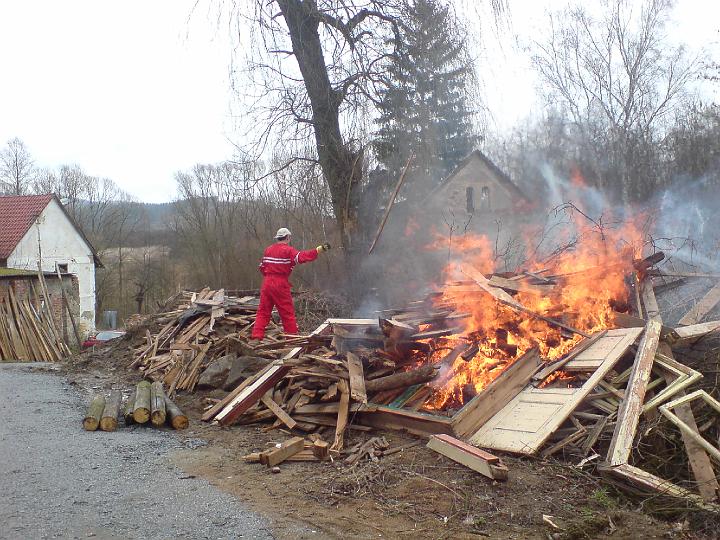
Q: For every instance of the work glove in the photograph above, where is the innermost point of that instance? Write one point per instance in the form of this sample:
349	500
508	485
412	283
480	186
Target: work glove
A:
323	247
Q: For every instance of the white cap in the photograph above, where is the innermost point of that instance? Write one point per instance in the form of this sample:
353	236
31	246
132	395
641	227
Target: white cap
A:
282	232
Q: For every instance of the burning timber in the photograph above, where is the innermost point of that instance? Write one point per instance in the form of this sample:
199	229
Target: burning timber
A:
550	361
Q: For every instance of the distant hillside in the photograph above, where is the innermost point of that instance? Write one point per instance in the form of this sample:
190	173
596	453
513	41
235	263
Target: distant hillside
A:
159	215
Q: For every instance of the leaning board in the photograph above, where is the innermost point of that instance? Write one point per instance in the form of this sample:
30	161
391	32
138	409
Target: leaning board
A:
525	423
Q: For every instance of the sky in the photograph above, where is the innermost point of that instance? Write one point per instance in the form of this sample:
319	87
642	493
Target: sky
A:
136	91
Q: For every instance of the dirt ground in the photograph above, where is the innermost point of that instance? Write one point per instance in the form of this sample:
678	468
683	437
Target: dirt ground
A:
415	493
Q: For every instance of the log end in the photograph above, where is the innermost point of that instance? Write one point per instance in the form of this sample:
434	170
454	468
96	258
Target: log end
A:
180	422
108	424
141	415
90	424
157	418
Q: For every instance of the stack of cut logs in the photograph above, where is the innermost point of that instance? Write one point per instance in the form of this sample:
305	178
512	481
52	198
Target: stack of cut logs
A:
147	404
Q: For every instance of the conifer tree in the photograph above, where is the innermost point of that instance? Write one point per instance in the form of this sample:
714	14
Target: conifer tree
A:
424	109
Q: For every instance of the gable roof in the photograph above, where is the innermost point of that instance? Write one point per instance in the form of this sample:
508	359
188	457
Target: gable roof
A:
19	212
503	178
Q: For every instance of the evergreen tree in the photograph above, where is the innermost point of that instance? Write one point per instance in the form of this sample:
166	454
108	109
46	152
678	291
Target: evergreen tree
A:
424	109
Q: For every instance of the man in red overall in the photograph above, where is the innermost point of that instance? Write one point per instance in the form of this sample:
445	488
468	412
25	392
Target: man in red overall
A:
277	264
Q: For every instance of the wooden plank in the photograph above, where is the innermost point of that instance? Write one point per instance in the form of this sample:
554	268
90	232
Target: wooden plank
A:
700	463
687	335
251	394
212	412
417	423
495	395
473	458
357	378
519	286
283	451
329	408
572	355
524	424
342	416
631	408
667	411
649	482
702	308
277	411
504	298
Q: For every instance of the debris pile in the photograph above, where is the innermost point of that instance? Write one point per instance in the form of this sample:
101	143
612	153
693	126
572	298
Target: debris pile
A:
540	362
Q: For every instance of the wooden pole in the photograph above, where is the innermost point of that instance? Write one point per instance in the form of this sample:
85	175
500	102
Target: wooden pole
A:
157	404
109	420
177	418
94	413
129	408
67	306
390	204
141	412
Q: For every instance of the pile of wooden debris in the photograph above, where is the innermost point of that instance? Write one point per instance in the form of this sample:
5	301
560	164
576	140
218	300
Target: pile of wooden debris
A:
588	403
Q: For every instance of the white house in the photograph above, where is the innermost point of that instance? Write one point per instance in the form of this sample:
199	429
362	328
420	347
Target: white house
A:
37	228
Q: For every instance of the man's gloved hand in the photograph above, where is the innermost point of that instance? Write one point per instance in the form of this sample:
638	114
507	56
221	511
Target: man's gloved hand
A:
324	247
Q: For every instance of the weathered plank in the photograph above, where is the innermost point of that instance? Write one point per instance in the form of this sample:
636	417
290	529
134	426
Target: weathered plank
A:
496	395
281	415
631	408
277	455
357	378
702	308
473	458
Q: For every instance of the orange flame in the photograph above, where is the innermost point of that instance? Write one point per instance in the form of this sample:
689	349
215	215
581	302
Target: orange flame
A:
582	287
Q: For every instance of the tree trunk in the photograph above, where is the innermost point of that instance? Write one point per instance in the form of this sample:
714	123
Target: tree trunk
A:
129	409
157	404
178	420
141	412
109	420
94	413
341	166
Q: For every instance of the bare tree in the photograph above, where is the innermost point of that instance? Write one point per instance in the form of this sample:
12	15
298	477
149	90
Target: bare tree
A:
17	168
617	80
338	48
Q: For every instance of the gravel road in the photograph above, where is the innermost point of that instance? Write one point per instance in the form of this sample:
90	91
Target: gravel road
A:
58	481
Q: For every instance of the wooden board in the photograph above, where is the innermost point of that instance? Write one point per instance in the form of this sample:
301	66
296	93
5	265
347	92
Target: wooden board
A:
631	407
702	308
592	358
357	378
496	395
687	335
252	393
277	455
417	423
473	458
524	424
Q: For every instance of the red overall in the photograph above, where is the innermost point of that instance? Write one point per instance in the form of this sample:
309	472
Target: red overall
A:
277	264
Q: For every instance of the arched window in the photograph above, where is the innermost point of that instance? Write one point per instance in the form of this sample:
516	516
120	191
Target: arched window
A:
470	200
485	198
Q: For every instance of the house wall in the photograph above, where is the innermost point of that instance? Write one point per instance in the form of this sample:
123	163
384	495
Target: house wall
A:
53	240
476	175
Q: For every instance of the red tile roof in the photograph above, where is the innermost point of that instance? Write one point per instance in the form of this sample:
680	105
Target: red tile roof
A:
17	214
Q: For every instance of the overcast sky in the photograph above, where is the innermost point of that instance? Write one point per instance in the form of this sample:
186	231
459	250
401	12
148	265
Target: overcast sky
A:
133	91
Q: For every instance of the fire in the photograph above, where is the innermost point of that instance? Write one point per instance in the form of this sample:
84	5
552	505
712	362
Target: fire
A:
580	287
